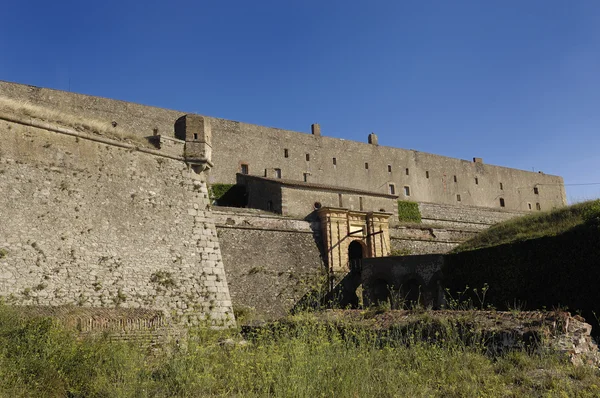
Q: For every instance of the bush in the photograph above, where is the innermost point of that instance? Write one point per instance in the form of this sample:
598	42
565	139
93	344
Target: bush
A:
408	211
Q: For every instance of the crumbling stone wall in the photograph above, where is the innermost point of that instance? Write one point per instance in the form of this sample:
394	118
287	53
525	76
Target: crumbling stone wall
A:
95	225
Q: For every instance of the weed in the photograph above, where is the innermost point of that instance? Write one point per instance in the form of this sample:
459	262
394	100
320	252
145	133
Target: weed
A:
256	270
163	278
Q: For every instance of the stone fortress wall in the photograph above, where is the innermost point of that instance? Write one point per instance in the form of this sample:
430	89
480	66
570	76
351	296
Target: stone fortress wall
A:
92	224
324	160
344	163
67	242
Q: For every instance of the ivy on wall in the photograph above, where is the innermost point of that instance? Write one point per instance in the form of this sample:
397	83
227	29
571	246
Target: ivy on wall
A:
408	211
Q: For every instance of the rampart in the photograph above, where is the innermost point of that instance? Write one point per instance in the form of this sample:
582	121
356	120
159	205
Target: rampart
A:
118	218
236	146
272	262
92	222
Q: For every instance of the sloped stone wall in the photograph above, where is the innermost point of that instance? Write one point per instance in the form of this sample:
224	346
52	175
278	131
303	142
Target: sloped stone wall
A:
94	225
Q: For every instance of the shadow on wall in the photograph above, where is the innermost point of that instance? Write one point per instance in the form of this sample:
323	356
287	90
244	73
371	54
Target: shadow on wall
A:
550	272
229	195
403	281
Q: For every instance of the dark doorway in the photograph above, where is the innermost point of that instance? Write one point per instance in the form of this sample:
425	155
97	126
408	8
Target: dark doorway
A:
355	254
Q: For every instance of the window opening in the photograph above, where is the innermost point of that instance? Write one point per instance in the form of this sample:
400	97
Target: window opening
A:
455	180
407	171
538	207
317	205
407	191
195	136
334	161
308	157
366	166
501	187
278	173
286	153
244	168
392	189
360	201
501	202
458	198
305	177
389	168
426	174
529	205
536	191
476	181
340	201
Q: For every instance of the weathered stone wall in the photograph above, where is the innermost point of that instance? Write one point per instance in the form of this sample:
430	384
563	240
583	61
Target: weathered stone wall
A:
299	199
300	202
271	262
464	216
430	178
403	280
94	225
413	239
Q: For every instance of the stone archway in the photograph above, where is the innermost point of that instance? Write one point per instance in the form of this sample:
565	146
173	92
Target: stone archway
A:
342	227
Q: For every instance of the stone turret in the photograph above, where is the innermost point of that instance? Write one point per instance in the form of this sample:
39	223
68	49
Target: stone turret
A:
195	131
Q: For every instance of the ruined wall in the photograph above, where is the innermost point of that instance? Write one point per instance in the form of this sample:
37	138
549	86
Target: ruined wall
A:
271	262
94	225
430	178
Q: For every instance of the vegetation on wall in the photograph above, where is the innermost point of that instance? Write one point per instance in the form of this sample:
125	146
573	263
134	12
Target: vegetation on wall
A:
227	194
537	225
217	191
408	211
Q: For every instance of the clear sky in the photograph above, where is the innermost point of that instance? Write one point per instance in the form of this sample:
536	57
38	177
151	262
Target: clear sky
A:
514	82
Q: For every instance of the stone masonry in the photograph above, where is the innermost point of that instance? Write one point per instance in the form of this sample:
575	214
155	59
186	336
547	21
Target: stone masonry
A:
93	224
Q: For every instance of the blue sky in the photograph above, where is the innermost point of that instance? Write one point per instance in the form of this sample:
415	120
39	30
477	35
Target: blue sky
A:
514	82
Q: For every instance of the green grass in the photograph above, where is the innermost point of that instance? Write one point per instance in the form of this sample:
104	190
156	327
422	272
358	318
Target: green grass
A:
302	359
537	225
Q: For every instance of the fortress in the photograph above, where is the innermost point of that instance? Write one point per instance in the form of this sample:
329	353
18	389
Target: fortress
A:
106	204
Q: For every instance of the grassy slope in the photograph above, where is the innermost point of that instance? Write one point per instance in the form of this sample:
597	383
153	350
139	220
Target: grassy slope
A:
537	225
